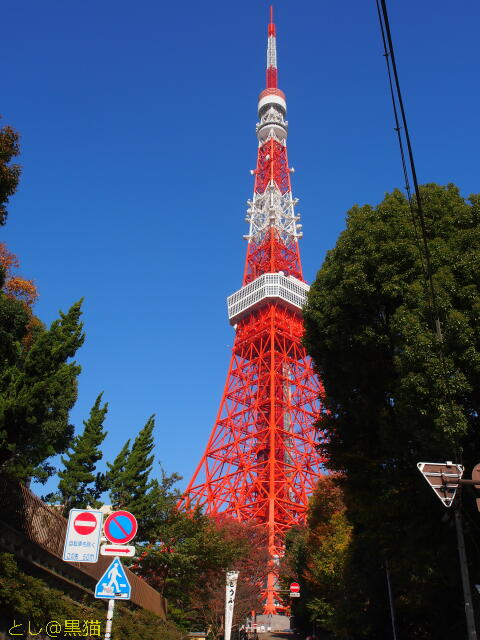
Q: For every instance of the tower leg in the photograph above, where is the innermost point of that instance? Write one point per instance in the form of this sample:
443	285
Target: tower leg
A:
270	606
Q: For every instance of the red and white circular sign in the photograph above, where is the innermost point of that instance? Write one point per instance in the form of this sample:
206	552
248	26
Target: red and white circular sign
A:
295	587
85	523
120	527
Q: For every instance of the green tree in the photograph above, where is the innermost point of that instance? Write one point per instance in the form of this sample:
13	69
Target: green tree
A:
130	485
38	387
394	397
137	473
189	560
316	555
14	319
38	382
79	486
118	490
9	173
184	556
30	600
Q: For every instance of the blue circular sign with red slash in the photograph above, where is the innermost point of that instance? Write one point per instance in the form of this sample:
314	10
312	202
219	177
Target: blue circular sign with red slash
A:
120	527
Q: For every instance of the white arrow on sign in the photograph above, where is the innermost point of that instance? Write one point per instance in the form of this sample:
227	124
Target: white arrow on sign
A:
125	550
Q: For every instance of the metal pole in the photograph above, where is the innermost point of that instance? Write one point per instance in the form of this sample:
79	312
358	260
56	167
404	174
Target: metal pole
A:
467	594
108	626
390	600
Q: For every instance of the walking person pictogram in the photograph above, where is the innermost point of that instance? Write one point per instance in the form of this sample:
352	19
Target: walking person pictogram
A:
113	574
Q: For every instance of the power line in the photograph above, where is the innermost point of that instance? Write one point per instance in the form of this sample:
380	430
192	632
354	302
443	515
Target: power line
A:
416	211
397	98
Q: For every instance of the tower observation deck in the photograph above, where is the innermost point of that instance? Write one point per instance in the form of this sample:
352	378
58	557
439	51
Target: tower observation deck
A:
261	462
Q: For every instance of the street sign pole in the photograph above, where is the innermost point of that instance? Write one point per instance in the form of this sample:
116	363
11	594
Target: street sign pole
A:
120	528
445	478
467	594
108	626
390	600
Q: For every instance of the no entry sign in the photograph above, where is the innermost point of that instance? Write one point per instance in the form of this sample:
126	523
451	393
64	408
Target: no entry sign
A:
85	523
82	541
295	587
120	527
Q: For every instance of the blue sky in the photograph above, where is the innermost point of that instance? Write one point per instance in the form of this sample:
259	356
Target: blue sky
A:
138	134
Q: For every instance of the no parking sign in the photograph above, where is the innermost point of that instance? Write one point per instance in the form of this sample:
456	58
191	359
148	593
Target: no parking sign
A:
120	527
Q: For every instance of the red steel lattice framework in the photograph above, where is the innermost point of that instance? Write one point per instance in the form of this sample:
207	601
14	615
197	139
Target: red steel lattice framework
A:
261	462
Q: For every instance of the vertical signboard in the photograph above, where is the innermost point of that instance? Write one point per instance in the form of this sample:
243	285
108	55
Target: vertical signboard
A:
230	601
82	541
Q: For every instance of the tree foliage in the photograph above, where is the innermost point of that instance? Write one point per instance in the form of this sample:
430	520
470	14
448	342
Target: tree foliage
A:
118	491
9	173
395	398
230	545
131	486
316	556
27	599
79	486
188	564
38	387
14	285
38	382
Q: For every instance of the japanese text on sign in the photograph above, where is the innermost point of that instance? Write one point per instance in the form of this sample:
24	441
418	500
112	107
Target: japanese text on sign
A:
80	550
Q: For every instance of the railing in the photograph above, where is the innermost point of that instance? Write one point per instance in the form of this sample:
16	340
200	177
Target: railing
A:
289	290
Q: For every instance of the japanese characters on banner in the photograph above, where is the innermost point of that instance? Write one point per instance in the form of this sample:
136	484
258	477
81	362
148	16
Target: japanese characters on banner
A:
230	601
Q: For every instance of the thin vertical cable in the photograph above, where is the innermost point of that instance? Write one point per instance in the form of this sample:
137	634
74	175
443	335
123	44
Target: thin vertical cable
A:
398	130
428	267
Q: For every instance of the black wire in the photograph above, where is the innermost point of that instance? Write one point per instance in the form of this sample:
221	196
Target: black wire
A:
432	298
394	104
398	129
421	217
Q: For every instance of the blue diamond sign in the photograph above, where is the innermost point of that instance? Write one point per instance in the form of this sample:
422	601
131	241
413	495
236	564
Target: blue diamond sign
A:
114	584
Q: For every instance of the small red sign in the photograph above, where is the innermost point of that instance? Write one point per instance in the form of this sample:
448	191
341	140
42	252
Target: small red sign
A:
85	523
295	587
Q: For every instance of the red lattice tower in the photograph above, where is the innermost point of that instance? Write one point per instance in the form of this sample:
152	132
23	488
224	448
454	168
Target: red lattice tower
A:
261	462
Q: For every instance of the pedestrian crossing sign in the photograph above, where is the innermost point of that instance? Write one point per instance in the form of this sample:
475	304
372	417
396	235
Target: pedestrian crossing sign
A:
114	584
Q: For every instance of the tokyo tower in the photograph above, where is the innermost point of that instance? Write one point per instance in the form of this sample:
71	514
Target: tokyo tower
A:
261	462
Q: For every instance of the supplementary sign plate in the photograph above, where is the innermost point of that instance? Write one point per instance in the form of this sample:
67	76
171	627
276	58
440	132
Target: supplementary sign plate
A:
121	550
82	542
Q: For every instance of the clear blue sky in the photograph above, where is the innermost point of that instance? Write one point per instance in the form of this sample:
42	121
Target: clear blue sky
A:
138	133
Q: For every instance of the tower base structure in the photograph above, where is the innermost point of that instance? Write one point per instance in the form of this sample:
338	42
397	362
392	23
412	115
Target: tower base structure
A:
261	462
